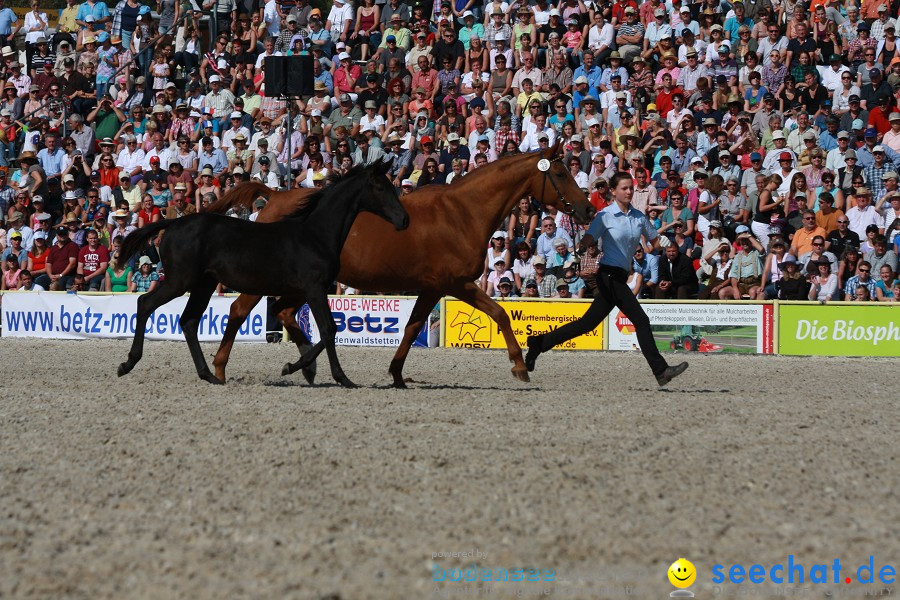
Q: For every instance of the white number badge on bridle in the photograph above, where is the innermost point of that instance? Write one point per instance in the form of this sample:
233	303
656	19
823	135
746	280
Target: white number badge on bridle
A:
543	165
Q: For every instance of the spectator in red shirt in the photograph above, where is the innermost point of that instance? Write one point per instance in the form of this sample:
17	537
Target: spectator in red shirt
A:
61	262
92	262
664	97
618	10
346	75
878	116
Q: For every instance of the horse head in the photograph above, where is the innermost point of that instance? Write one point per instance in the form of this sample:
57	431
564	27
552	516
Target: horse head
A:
382	198
553	185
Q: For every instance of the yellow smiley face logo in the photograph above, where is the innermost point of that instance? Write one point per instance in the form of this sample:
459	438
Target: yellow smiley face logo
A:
682	573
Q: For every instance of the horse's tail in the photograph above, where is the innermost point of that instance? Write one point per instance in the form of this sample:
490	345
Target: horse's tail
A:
242	195
136	239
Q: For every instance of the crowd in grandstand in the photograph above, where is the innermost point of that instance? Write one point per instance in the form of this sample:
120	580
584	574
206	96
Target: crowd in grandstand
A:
763	136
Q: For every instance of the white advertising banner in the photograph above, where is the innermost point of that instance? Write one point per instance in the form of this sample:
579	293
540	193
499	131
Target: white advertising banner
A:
60	315
699	327
366	321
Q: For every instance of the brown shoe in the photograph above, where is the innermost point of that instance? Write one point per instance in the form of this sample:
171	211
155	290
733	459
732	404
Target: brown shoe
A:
666	376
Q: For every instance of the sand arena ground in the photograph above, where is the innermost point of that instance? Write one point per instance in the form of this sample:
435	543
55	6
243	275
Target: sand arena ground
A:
161	486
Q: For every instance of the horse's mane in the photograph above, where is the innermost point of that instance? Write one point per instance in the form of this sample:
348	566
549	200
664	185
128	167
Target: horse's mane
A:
331	180
245	193
474	177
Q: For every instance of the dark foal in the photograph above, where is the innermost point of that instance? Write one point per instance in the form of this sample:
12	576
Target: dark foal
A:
297	256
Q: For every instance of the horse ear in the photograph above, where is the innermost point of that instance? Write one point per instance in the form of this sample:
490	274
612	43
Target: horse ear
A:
554	151
384	165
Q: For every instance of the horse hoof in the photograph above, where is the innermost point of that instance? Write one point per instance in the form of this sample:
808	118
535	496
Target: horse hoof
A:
521	374
399	384
124	369
286	369
212	379
347	383
310	375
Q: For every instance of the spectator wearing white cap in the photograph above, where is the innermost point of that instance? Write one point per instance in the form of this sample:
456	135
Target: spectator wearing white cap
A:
657	28
834	160
630	35
284	41
131	158
779	140
346	75
883	21
498	259
877	169
236	118
891	138
888	189
218	100
18	229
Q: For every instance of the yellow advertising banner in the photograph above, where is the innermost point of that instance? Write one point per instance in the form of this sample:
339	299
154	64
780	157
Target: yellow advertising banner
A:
52	15
466	327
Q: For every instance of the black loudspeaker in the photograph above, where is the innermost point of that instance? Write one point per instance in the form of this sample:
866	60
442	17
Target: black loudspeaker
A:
289	75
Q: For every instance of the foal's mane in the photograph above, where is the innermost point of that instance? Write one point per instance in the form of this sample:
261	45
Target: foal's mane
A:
333	179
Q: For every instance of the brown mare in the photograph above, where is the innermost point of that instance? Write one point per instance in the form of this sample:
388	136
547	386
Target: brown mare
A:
441	253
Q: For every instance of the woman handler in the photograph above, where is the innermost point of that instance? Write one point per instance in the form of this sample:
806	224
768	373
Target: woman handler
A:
620	228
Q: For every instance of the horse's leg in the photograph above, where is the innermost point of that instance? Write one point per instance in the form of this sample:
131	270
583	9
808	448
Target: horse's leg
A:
473	295
318	304
240	308
287	319
146	304
190	323
424	304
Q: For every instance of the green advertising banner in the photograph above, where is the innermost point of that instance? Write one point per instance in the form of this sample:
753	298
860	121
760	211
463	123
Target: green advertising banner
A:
839	329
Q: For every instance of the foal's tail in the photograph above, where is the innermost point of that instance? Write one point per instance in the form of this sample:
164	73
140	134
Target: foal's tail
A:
242	195
138	238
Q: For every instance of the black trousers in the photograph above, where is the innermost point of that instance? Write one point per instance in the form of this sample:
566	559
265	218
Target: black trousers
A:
612	291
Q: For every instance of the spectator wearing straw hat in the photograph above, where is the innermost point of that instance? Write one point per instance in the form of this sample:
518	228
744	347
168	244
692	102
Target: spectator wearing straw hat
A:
180	206
891	138
145	279
16	225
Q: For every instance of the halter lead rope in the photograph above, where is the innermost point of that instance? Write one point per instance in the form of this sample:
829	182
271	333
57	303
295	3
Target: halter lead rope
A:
544	166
